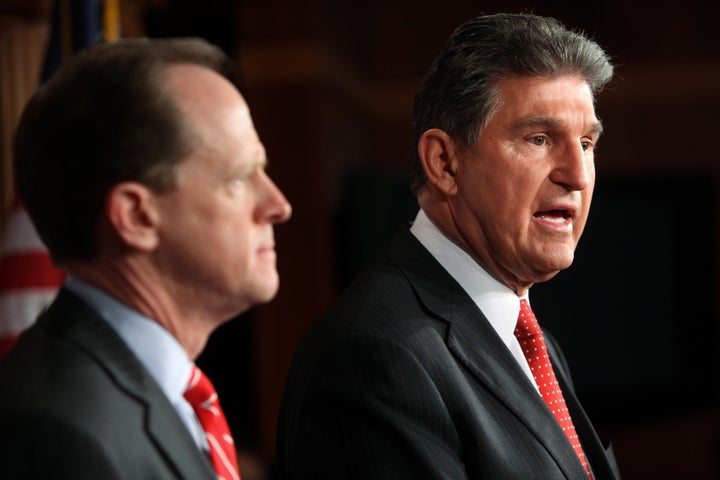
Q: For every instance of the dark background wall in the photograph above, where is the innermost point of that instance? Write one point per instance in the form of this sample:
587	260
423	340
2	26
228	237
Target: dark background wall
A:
331	83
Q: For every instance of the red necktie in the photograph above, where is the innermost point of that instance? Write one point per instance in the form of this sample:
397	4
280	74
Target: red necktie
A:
532	342
201	395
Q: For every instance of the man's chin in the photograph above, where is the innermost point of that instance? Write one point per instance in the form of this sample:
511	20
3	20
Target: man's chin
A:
551	267
544	277
268	290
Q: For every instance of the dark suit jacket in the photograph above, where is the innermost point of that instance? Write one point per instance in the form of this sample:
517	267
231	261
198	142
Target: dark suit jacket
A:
77	404
404	378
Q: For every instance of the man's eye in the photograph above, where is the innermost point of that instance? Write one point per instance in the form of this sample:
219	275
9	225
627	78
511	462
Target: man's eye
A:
586	146
538	140
241	180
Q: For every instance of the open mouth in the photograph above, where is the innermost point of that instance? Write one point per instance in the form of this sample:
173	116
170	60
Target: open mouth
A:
555	215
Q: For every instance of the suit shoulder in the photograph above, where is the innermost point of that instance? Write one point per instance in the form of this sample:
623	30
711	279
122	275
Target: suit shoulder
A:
52	376
379	300
52	372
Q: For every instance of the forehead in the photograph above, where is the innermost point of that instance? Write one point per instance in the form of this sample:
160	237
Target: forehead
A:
202	92
215	114
565	98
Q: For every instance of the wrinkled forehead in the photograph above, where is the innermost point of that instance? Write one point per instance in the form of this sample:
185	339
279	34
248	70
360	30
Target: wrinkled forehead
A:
526	98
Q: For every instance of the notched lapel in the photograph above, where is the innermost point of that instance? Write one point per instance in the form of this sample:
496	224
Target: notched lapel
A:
474	343
172	438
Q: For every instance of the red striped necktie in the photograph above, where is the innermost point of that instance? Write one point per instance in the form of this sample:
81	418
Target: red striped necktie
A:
202	396
531	340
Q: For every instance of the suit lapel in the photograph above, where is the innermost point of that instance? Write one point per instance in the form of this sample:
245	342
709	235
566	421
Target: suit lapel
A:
475	343
72	318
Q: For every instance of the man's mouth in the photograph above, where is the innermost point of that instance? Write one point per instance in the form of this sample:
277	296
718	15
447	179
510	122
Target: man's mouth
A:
559	216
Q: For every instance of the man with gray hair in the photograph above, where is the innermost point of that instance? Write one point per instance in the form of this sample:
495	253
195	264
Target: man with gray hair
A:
432	364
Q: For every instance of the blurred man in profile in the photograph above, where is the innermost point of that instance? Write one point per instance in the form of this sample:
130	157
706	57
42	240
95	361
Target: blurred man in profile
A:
141	169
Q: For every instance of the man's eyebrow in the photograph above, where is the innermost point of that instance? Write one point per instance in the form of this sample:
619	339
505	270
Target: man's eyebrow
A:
536	122
597	127
547	122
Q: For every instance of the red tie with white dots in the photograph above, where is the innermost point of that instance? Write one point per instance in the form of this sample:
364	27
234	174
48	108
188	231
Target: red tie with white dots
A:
531	340
201	395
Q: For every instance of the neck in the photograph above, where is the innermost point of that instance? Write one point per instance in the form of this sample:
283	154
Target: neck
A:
441	213
134	283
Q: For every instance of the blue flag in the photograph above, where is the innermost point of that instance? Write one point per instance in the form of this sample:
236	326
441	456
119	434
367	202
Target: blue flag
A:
76	24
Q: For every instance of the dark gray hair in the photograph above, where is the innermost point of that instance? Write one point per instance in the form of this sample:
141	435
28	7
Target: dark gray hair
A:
458	93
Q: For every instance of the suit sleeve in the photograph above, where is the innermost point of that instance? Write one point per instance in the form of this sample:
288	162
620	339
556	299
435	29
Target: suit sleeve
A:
370	410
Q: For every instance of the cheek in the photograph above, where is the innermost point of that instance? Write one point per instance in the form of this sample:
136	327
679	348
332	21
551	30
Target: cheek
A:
237	238
587	194
583	217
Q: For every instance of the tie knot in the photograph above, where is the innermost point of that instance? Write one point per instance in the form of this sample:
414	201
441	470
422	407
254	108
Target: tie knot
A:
200	390
527	324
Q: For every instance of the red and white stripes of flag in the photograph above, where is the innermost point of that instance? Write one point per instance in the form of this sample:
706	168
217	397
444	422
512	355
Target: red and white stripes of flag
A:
28	279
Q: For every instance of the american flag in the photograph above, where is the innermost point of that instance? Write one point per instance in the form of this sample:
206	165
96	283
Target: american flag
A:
28	279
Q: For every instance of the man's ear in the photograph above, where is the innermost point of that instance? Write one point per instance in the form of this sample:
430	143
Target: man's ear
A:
438	154
132	213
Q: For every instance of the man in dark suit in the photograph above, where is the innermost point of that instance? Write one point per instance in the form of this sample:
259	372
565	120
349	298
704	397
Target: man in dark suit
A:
140	167
416	372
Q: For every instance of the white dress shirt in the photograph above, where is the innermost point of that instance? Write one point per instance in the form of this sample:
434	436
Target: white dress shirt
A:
158	351
498	303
